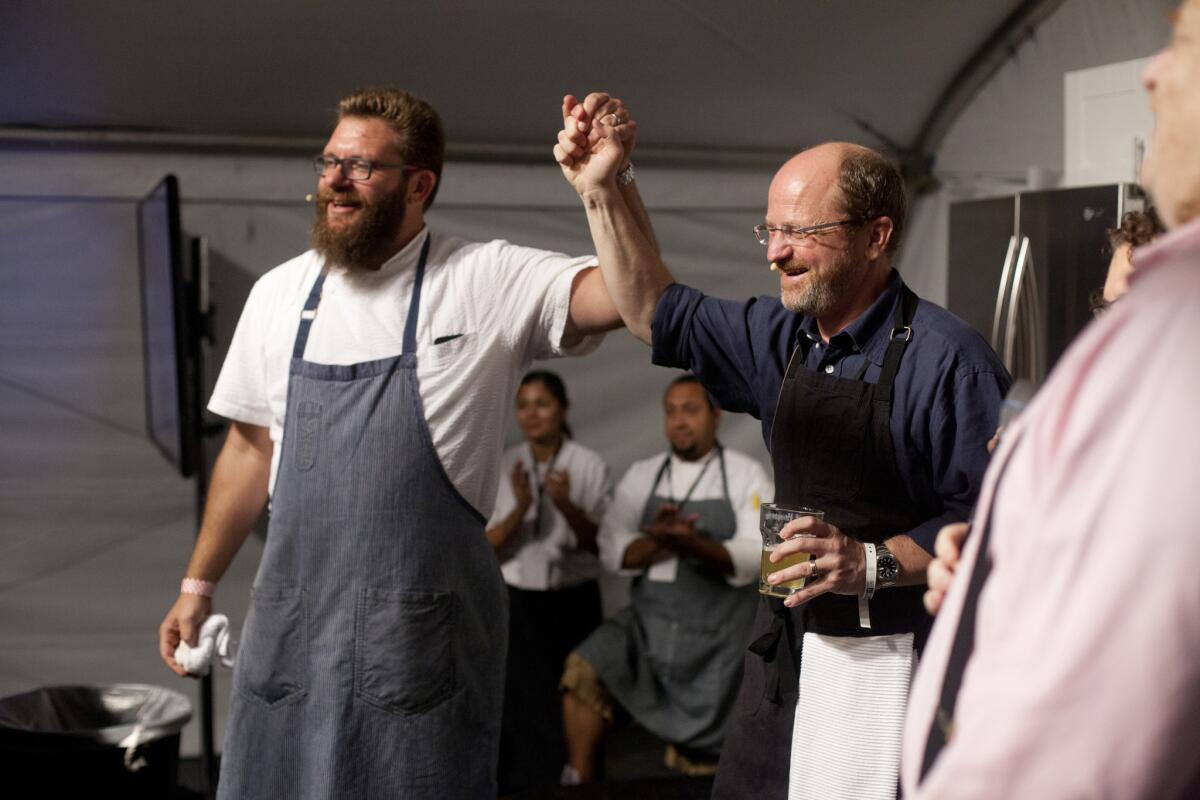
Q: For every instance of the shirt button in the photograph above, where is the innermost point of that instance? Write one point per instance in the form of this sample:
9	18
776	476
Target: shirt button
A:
829	369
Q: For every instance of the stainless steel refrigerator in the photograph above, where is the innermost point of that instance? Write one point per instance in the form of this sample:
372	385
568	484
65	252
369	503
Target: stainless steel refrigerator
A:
1021	267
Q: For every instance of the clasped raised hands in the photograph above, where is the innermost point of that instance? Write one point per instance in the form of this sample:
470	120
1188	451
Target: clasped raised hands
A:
596	140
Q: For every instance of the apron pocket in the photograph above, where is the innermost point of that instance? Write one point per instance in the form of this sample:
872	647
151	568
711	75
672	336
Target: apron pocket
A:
272	659
403	649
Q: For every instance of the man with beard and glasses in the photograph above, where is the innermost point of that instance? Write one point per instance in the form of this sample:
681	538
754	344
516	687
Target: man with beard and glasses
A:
368	384
684	526
876	407
1065	661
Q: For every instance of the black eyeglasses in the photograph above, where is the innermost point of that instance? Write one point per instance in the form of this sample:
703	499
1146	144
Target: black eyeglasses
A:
793	235
354	168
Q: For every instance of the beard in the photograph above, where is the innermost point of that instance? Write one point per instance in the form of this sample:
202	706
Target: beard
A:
365	244
823	291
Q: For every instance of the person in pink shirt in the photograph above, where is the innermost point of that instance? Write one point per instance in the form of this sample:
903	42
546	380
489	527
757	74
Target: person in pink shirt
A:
1065	660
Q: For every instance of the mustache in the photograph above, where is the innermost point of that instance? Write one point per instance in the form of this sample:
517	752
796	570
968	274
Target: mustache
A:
794	265
327	196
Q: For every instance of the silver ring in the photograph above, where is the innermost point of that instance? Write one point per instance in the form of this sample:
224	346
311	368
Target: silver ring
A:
812	570
616	119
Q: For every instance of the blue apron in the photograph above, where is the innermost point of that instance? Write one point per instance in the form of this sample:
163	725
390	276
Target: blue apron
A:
672	657
372	662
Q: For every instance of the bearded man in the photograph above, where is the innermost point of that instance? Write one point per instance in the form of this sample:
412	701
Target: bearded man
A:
368	385
876	407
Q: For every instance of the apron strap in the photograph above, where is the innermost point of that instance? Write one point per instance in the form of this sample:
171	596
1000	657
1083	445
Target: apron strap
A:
899	338
410	325
724	474
942	729
414	305
307	316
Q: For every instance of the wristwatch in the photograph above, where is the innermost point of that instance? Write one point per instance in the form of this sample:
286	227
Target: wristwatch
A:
887	568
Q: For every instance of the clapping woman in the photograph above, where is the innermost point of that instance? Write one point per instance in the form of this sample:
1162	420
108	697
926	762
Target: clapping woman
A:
551	497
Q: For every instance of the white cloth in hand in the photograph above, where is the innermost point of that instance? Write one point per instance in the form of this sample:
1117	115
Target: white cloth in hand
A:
214	637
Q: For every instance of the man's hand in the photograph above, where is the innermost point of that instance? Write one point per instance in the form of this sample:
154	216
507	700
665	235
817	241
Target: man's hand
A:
840	561
947	550
182	624
670	529
522	491
596	140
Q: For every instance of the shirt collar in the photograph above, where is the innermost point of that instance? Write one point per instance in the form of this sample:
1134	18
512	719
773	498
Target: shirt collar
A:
404	259
870	331
407	256
1175	242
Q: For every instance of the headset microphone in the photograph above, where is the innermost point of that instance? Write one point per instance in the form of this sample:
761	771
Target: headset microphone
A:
774	266
308	198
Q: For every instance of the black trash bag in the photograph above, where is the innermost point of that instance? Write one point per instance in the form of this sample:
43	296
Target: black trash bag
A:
120	740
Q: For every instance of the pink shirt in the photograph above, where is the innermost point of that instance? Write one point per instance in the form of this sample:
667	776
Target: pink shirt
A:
1085	679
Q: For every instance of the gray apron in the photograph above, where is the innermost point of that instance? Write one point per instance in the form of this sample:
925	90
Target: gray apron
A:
372	662
673	656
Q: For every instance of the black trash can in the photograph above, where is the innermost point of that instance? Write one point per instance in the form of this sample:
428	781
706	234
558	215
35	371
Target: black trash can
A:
105	741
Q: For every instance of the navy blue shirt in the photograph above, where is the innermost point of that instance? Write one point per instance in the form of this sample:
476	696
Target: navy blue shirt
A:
945	401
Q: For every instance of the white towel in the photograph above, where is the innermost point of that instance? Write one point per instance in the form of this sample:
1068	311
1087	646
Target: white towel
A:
849	718
214	637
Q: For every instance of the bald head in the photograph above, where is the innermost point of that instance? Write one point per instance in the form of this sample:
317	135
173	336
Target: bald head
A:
845	181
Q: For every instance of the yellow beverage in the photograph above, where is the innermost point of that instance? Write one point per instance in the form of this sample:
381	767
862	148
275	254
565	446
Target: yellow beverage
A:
786	588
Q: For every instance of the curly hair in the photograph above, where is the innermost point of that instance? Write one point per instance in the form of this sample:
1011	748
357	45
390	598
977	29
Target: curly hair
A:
1136	228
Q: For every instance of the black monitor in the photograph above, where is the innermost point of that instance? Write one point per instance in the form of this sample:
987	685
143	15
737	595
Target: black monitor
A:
169	312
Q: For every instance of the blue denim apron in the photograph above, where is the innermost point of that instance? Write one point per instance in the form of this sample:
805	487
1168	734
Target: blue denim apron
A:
673	656
372	661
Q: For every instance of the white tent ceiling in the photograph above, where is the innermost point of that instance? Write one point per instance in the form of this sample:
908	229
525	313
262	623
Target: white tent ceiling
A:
754	77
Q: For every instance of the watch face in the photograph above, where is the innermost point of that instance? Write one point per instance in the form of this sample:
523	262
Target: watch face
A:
887	568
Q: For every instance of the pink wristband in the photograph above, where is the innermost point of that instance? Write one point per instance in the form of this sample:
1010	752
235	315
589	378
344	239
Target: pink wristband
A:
197	586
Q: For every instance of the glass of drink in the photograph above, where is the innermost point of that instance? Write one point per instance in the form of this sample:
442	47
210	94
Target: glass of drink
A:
771	519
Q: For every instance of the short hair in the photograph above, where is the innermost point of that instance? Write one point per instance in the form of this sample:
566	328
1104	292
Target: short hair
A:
1136	228
690	379
420	136
872	187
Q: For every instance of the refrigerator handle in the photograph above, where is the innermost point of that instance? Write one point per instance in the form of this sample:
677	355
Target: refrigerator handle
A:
1037	348
1005	274
1014	295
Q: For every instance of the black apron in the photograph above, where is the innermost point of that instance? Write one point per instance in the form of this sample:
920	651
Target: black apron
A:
831	447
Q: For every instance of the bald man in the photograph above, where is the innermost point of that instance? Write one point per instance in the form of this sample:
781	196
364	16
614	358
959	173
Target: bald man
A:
876	407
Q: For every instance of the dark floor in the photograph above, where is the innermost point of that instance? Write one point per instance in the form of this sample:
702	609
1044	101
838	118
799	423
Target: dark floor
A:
634	767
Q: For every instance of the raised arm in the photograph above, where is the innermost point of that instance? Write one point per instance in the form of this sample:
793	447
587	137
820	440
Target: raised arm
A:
593	148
